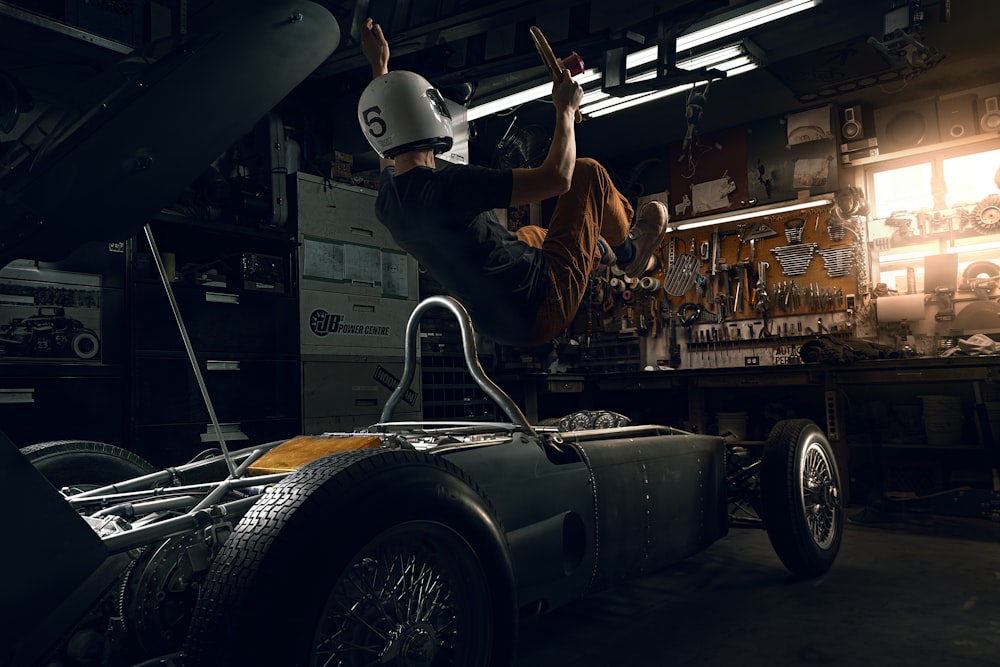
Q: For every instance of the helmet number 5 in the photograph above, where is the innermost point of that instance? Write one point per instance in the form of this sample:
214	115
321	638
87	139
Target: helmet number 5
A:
376	126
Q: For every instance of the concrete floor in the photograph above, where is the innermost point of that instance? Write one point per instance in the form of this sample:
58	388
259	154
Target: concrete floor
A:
901	594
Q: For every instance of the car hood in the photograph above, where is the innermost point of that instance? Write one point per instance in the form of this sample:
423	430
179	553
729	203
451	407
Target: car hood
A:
98	166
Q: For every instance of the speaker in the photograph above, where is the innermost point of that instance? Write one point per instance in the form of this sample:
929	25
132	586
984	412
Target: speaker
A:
855	122
989	114
957	116
908	125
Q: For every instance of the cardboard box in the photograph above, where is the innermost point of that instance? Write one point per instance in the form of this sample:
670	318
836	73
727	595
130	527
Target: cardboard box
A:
340	166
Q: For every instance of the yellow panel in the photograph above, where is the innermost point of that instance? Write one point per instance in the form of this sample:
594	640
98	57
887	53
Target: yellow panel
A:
297	452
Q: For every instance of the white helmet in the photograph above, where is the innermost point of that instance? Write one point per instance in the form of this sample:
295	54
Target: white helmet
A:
401	111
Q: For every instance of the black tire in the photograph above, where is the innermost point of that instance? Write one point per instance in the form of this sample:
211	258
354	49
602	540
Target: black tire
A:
800	497
85	345
362	557
83	464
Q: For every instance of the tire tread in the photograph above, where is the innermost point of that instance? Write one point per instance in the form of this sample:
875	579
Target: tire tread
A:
236	569
786	527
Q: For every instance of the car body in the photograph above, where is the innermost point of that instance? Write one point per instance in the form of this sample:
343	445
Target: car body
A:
405	543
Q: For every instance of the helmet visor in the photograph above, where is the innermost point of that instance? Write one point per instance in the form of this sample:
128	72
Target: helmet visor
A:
437	102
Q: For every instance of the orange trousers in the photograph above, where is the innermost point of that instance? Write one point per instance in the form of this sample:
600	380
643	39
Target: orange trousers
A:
592	207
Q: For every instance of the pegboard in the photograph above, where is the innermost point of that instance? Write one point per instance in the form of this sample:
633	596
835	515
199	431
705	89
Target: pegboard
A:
811	264
711	327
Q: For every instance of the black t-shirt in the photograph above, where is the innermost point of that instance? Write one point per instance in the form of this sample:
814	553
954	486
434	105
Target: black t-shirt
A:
445	219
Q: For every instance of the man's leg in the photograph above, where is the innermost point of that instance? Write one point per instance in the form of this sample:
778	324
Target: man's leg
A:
591	208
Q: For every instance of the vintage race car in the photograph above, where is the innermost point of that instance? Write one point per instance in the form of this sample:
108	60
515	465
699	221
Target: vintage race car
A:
405	543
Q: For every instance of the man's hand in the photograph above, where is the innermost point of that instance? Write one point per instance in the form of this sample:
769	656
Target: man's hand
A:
375	47
566	93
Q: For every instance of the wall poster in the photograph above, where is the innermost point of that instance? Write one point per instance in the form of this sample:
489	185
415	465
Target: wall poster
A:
53	315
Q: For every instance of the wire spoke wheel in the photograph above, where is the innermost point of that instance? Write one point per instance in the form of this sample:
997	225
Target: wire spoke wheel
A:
362	558
410	598
801	498
820	495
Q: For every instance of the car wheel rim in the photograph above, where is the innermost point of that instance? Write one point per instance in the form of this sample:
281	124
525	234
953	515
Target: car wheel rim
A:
413	597
820	495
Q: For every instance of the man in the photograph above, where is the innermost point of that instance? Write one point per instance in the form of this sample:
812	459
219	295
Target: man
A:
519	289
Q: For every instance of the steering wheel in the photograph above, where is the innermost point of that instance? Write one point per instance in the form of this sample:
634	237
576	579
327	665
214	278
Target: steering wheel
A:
552	64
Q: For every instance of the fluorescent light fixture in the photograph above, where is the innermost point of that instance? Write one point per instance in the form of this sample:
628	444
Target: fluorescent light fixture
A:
524	96
714	57
896	257
712	32
609	104
614	104
760	211
722	29
892	258
731	58
743	22
975	247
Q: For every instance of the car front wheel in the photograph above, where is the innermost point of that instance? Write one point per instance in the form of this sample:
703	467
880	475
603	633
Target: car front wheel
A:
368	557
801	497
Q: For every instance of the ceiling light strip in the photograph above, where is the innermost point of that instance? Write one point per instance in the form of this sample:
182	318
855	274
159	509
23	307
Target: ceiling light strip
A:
754	213
712	57
723	29
641	98
711	33
743	22
524	96
724	58
613	104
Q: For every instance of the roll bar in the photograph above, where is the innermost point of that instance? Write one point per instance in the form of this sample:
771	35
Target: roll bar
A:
471	360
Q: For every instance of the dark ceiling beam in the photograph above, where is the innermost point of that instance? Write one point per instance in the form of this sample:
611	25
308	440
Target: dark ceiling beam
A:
455	27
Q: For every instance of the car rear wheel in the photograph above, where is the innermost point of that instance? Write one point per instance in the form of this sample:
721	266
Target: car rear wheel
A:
84	464
363	557
85	345
801	497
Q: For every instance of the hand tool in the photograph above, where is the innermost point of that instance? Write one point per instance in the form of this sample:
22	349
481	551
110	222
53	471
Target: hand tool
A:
554	66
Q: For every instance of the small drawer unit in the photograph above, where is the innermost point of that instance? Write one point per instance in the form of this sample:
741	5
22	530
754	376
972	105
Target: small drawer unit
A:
354	268
343	392
59	402
357	291
338	212
344	248
166	390
335	323
236	291
216	321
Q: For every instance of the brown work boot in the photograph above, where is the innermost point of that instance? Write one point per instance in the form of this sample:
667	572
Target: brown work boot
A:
646	233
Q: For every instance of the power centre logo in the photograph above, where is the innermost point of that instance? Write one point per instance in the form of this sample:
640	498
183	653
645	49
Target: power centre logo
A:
322	323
